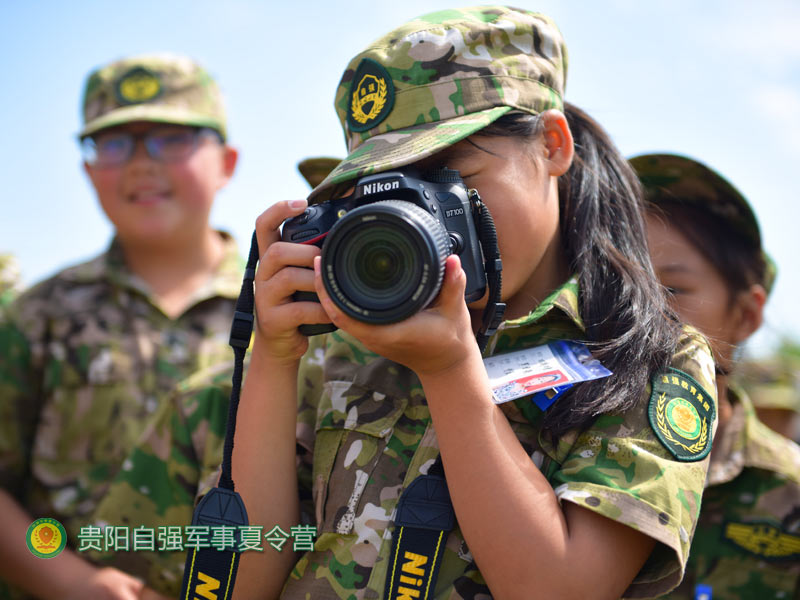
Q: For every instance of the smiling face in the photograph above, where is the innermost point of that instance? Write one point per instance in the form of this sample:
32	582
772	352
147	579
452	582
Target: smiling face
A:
155	202
514	183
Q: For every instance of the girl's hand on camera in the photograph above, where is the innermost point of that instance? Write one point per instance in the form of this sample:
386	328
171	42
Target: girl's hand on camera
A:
430	342
284	268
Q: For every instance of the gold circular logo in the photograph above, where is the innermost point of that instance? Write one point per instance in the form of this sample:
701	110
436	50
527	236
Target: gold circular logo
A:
368	98
137	86
46	538
683	418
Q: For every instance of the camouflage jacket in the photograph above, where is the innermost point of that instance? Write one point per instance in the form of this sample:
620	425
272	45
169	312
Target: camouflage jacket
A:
373	433
364	431
88	357
176	458
747	543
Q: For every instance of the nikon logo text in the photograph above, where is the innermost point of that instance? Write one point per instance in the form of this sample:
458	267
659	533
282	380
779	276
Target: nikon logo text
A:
374	188
412	578
206	587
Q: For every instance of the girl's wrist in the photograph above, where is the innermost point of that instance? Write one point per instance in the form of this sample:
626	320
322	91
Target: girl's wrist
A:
467	371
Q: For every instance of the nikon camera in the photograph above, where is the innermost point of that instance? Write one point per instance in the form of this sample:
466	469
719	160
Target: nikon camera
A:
384	246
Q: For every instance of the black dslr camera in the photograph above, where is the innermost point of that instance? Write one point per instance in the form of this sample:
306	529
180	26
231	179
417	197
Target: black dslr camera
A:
385	244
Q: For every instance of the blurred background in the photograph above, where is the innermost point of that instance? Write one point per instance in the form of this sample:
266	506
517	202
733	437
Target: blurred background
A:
717	80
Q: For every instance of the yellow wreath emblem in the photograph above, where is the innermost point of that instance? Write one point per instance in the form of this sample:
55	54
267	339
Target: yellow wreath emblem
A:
377	98
662	425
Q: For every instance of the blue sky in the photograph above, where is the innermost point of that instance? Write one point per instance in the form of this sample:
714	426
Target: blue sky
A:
717	80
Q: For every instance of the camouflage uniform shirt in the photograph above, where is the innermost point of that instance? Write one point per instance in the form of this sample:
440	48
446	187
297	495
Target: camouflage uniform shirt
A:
88	357
177	457
747	543
365	433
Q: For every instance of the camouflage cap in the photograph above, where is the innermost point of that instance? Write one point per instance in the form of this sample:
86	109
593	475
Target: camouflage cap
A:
440	78
164	88
672	177
315	169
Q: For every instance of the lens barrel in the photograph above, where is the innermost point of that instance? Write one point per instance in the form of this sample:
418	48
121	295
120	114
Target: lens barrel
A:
384	261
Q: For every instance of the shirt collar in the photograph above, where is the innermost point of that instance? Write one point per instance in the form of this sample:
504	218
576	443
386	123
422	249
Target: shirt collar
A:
111	266
564	299
747	442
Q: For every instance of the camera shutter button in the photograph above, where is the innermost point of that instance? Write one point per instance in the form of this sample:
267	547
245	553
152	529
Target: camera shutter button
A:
303	218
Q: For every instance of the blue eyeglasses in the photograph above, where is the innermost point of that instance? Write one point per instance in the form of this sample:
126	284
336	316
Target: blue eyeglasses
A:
164	144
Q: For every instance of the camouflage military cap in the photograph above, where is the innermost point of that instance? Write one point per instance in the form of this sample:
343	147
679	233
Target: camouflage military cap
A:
676	178
440	78
316	169
164	88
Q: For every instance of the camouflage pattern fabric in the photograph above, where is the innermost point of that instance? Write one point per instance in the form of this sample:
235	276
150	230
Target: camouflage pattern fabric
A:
672	177
439	78
773	382
365	433
89	358
9	279
315	169
177	456
163	88
747	543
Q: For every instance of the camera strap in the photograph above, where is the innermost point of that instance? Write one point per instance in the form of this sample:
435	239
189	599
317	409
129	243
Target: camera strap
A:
210	572
425	514
493	266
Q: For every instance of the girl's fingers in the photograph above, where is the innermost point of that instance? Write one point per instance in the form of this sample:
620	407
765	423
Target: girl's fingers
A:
284	283
451	296
293	314
268	222
281	255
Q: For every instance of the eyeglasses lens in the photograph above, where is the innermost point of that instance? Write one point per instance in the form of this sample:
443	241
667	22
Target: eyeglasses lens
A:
170	146
114	149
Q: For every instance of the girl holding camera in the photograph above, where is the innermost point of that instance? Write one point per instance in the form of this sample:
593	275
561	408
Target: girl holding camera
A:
590	498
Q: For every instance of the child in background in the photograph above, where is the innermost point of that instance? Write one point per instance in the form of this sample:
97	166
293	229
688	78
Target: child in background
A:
707	251
176	459
91	353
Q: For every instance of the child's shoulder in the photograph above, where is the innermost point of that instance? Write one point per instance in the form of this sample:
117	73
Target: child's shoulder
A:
76	288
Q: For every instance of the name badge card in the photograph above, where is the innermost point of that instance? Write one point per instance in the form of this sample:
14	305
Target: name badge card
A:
545	372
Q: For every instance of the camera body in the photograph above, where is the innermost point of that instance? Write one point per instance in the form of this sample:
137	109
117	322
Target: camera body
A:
385	244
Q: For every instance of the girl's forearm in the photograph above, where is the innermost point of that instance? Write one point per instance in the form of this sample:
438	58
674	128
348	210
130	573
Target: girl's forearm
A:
264	469
524	543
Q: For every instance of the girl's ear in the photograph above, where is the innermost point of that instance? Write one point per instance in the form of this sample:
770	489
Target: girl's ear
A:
748	312
558	145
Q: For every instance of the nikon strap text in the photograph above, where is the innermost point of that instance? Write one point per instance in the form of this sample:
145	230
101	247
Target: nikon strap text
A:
425	516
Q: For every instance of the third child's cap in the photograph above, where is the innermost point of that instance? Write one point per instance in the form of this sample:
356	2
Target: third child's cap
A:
164	88
676	178
440	78
317	168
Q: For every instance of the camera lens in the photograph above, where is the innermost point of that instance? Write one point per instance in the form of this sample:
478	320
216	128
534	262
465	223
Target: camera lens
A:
384	261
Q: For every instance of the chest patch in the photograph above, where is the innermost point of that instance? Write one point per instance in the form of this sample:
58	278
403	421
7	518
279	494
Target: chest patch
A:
681	413
763	539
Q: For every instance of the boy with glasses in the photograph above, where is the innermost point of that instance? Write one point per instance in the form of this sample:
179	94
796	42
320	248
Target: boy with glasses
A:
91	353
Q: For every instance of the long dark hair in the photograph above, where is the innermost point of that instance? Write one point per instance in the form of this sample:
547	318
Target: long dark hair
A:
629	325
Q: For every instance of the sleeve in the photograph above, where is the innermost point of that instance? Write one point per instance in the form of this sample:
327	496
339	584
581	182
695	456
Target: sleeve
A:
20	393
647	468
310	380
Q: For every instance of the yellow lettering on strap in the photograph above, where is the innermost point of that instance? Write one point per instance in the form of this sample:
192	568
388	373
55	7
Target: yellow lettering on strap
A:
207	587
415	561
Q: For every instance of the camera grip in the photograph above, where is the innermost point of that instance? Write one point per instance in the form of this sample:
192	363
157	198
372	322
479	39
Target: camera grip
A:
315	329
